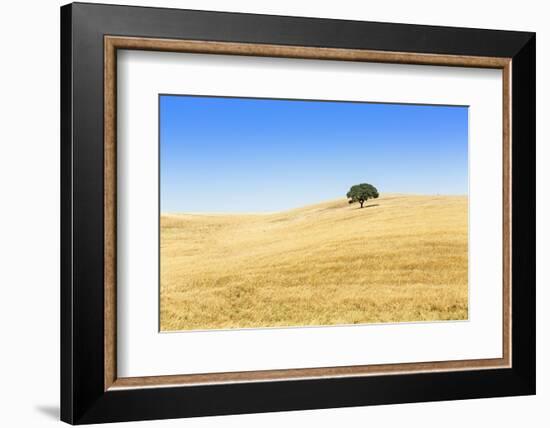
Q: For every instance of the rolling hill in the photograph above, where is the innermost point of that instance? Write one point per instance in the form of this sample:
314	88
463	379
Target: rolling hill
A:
401	258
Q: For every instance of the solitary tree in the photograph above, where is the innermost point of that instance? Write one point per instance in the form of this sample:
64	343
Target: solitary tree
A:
361	193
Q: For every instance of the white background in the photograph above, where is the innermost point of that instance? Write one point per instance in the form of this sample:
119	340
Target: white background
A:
29	219
142	351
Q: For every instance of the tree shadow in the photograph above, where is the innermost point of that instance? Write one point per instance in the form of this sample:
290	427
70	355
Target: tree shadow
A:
367	206
49	410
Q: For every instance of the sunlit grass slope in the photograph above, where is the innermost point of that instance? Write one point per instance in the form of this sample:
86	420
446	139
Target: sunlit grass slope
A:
401	258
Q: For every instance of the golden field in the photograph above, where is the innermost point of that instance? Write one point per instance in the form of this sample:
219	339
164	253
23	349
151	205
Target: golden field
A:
401	258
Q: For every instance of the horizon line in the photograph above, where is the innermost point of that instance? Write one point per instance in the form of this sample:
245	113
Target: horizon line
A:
216	213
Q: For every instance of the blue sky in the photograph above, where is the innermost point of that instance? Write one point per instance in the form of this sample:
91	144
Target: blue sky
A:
255	155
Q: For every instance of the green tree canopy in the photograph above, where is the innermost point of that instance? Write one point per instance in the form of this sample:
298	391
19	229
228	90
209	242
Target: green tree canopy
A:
361	193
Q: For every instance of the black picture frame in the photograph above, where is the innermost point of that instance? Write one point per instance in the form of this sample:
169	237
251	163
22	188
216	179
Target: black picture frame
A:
83	398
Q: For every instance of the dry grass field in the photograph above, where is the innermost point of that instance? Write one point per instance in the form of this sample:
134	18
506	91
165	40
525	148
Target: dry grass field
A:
401	258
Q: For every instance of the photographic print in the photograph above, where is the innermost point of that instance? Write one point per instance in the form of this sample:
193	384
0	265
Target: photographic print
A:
289	213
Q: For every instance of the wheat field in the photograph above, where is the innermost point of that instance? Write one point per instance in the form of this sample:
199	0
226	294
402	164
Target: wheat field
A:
401	258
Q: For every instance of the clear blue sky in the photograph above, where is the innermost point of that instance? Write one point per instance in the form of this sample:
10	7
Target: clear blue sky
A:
248	155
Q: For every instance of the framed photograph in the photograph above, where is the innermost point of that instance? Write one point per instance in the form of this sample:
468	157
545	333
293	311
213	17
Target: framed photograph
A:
265	213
